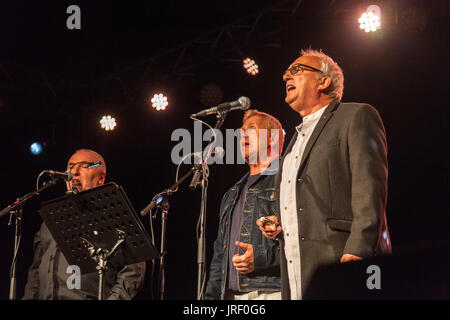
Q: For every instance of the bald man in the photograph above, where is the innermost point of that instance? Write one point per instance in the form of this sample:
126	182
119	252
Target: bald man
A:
47	277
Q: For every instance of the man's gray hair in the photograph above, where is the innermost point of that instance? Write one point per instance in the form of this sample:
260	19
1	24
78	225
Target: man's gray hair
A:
329	68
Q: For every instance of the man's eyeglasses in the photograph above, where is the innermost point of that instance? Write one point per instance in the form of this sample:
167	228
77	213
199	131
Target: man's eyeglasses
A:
86	165
300	67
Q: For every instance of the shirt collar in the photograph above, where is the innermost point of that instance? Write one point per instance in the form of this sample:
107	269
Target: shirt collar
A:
311	117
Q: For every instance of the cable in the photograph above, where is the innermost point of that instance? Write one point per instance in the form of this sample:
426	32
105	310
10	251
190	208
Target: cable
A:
151	217
38	178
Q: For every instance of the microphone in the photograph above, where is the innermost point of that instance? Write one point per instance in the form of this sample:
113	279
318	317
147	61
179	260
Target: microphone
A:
243	103
156	201
218	152
60	175
195	178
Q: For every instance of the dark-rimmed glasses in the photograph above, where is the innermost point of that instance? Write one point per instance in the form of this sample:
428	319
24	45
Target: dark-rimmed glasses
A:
300	67
86	165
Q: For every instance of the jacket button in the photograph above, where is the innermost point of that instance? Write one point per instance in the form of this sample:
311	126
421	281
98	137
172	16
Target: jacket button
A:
300	209
225	246
223	271
303	238
300	180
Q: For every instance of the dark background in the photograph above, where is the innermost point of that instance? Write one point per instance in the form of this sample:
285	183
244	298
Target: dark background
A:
56	84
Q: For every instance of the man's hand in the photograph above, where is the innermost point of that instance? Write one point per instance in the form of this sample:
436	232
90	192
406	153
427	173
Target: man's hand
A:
244	263
268	229
349	257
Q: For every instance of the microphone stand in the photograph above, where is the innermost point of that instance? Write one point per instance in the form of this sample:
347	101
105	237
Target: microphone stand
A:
201	279
196	169
164	205
16	210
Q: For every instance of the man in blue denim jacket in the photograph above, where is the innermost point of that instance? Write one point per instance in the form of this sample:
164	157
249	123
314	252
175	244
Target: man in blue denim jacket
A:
246	265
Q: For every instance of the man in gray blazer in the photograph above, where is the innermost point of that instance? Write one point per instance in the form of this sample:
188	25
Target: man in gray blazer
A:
332	182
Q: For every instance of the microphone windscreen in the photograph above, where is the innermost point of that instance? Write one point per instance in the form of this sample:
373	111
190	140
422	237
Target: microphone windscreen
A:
245	102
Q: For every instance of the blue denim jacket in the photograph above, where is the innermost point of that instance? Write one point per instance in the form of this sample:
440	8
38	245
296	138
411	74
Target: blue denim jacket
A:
259	202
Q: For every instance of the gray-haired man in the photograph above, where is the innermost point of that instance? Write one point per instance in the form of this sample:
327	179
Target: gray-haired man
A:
332	182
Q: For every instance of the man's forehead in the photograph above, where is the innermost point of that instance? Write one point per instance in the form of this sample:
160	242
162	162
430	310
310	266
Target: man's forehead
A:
83	156
311	61
254	120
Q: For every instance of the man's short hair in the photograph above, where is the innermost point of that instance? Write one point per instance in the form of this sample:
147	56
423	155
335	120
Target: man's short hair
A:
269	123
331	69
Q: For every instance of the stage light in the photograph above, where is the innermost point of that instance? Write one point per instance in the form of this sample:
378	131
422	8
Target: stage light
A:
108	123
36	148
370	20
250	66
159	102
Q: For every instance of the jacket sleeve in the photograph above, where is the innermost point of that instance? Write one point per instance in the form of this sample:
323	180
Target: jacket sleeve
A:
128	282
32	285
214	284
367	149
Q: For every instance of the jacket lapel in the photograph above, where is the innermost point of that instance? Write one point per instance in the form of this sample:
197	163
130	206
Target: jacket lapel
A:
317	130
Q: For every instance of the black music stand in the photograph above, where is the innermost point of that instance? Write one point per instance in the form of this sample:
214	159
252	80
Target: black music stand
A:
94	226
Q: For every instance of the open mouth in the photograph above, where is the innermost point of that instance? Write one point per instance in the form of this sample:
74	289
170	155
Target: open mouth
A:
290	87
76	183
245	145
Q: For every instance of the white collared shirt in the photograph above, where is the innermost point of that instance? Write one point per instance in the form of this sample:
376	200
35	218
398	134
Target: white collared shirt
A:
288	201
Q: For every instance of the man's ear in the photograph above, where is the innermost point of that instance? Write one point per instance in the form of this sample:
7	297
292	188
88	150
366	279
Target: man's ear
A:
274	136
101	180
324	83
274	140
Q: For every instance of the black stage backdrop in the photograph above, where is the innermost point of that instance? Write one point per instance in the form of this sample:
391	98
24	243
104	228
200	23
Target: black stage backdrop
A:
55	84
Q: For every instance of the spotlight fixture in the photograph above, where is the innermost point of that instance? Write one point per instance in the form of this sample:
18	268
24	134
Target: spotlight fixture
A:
159	102
36	148
370	20
250	66
108	123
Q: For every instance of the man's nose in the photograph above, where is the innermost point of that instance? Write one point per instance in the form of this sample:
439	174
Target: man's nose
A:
76	171
287	76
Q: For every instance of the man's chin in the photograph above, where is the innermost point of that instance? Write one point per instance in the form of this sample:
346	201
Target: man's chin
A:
253	159
290	98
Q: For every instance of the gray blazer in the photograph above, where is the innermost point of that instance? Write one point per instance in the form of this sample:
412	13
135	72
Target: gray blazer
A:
341	190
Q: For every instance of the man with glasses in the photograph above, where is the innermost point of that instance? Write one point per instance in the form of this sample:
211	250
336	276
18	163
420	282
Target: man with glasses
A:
245	265
332	182
47	277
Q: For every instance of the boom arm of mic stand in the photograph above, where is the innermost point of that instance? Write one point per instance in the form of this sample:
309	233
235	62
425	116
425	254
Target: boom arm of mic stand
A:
22	200
16	207
167	191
